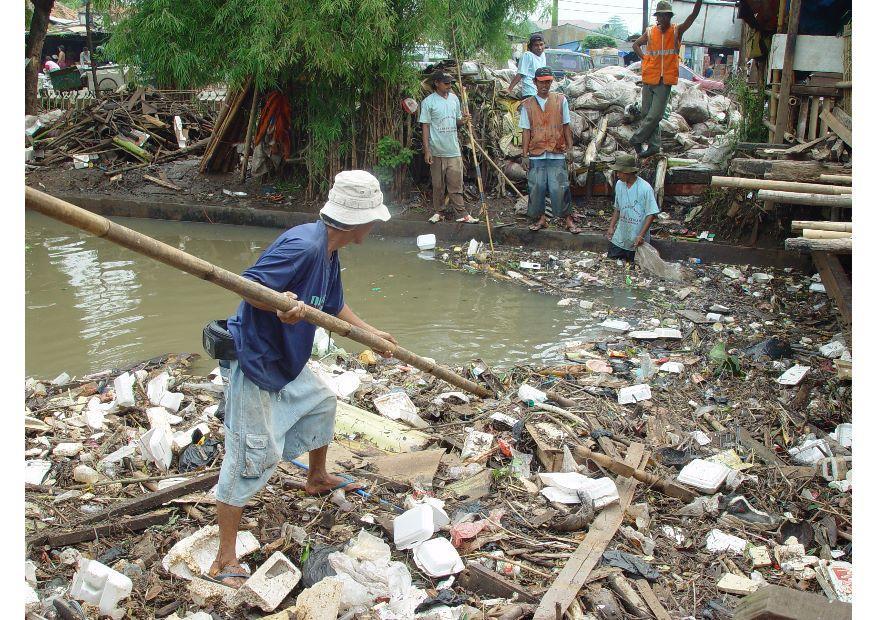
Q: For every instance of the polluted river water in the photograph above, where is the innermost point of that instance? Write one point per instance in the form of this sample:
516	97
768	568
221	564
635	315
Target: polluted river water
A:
91	305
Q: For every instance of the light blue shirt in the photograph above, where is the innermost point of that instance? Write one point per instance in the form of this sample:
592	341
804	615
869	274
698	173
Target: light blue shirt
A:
524	124
441	113
529	63
634	204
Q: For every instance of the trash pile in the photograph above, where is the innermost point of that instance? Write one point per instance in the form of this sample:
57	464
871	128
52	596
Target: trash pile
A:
693	449
146	126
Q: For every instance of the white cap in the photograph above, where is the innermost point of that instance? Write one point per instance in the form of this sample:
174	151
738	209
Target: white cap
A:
355	198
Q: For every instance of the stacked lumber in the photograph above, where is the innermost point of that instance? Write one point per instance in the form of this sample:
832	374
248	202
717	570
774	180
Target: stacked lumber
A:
221	152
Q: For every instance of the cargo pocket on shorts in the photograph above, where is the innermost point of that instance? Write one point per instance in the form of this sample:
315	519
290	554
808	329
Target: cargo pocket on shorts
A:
255	456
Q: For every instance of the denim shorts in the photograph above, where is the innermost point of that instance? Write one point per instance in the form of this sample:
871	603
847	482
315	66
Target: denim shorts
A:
263	427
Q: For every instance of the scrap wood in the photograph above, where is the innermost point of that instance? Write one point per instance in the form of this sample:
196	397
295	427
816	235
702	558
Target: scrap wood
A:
58	538
162	183
477	578
652	601
622	587
842	130
566	587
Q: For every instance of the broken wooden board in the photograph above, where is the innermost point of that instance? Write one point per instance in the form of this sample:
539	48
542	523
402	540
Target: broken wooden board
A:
488	583
649	596
565	589
841	130
338	458
781	603
475	487
835	281
762	452
415	469
384	433
550	457
58	538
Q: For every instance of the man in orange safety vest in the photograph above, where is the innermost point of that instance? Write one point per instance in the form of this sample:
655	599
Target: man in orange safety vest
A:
659	72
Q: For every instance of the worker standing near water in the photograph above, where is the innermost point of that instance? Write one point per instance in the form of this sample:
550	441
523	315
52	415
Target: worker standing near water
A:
659	72
635	209
276	408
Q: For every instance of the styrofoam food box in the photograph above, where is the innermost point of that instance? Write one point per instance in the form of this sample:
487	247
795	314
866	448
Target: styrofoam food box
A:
438	557
413	527
426	242
703	475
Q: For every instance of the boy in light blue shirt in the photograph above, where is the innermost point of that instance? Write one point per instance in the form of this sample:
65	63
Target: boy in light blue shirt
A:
530	62
635	209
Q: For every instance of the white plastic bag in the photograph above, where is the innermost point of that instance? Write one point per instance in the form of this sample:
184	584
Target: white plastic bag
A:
648	258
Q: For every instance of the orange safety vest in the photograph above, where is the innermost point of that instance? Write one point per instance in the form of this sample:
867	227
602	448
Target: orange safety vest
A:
661	58
547	131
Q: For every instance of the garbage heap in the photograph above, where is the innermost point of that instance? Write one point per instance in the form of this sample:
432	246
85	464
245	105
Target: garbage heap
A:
119	129
694	449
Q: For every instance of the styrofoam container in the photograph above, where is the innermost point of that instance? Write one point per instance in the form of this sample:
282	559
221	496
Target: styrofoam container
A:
633	394
426	242
477	444
526	393
413	527
718	541
100	585
703	475
843	434
156	445
123	386
620	326
35	470
810	452
438	558
564	486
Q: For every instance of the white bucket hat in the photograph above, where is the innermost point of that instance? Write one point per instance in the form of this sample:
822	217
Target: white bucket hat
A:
355	198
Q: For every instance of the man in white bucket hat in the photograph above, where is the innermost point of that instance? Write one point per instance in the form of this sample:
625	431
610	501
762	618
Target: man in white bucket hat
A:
276	408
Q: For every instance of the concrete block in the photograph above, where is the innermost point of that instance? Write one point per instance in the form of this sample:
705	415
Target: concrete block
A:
321	601
205	592
270	584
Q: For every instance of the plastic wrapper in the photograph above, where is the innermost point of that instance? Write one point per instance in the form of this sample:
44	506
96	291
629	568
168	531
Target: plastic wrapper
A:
648	258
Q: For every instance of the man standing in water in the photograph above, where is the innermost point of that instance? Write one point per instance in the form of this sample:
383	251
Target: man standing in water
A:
276	407
635	209
530	62
659	71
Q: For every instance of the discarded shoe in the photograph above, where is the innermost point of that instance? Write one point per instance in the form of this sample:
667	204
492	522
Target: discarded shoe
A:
434	219
467	219
739	508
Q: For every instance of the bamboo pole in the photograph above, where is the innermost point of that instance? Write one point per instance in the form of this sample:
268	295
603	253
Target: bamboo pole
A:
247	146
836	246
798	198
782	117
621	469
133	149
784	186
138	242
497	169
799	225
838	179
810	233
483	208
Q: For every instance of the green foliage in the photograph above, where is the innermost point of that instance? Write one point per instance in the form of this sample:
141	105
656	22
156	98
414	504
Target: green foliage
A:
597	41
616	27
391	154
752	105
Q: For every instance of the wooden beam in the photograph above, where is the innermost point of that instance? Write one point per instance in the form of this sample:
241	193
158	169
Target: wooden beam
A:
479	579
784	186
57	538
835	281
802	119
782	603
810	233
799	198
813	116
838	179
565	589
837	246
800	225
837	126
649	596
782	119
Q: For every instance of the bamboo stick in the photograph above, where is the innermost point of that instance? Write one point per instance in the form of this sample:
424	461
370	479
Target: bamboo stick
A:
799	225
797	198
138	242
247	145
838	179
132	148
659	180
785	186
836	246
809	233
497	169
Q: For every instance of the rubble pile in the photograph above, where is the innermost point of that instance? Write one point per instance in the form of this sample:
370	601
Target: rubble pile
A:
146	126
727	391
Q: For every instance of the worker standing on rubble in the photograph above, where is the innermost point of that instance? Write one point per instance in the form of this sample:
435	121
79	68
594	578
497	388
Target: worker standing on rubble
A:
546	124
441	116
276	407
531	61
635	209
659	72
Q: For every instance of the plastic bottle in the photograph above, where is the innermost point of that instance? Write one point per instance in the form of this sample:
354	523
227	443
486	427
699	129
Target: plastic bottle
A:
695	261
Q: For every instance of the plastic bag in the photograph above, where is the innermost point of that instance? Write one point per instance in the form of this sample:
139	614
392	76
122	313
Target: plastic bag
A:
693	106
648	258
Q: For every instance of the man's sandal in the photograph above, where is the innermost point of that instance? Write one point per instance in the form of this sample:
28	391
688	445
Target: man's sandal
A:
229	572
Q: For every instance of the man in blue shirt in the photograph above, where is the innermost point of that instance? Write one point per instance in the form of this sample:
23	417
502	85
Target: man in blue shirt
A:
276	408
531	61
635	209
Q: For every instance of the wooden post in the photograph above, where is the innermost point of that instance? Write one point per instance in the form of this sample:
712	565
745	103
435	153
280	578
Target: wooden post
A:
782	118
776	78
825	107
802	120
247	146
838	179
835	246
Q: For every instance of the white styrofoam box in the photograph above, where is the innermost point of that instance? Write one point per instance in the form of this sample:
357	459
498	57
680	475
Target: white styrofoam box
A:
620	326
182	439
438	558
413	526
477	443
832	350
100	585
633	394
271	583
156	388
718	541
526	393
659	332
193	555
35	470
843	434
123	386
426	242
703	475
564	486
809	451
672	367
171	400
156	446
793	375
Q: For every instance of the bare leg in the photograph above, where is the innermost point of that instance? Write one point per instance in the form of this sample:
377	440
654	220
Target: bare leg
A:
226	559
318	478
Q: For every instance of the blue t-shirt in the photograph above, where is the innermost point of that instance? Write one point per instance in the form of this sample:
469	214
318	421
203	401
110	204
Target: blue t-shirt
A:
272	353
441	113
524	124
529	63
634	204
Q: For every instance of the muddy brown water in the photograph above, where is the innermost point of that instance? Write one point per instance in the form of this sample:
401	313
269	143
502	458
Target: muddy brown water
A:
92	305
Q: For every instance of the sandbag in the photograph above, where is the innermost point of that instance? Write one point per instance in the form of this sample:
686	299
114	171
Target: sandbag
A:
647	257
622	134
617	93
693	106
674	124
578	125
576	88
719	153
615	119
588	101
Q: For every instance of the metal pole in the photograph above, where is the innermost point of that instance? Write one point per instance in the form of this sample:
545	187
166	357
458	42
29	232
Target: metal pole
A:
644	18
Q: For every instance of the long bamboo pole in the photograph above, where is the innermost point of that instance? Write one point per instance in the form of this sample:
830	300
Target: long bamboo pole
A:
247	145
836	246
838	179
786	186
800	225
813	233
143	244
799	198
483	209
497	169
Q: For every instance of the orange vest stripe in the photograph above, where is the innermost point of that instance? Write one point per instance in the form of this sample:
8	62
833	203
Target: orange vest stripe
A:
661	58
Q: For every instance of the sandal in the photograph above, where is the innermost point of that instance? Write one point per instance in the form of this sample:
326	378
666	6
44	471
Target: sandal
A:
229	571
574	230
537	226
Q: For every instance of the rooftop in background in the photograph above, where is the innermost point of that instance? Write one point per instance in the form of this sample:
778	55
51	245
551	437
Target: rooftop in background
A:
580	23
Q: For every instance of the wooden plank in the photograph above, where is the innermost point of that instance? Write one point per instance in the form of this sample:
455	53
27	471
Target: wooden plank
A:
564	590
58	538
802	119
804	147
148	501
841	130
764	453
649	597
410	468
782	603
550	457
481	580
782	117
826	106
813	117
835	280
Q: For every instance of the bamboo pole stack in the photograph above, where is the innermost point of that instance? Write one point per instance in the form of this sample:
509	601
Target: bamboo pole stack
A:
799	198
784	186
800	225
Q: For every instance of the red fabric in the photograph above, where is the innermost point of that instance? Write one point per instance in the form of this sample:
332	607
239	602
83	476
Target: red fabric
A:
276	114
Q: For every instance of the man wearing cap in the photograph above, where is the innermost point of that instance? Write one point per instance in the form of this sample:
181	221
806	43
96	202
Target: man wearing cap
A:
659	71
441	116
635	209
276	408
547	141
531	61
